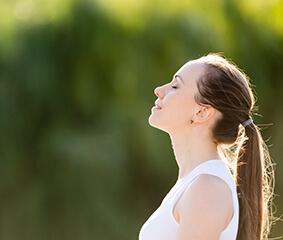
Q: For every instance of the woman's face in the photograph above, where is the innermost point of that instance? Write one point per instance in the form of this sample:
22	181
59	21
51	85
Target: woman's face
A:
176	99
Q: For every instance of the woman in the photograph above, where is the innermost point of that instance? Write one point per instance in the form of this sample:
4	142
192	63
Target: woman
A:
225	183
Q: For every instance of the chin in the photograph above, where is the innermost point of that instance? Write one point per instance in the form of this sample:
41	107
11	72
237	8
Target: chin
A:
154	123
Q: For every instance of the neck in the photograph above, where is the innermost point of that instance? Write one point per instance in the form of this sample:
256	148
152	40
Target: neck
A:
191	149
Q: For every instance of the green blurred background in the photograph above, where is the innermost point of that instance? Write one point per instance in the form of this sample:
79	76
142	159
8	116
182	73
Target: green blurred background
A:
78	157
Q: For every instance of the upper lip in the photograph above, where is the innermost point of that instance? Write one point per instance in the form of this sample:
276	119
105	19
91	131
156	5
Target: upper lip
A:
157	104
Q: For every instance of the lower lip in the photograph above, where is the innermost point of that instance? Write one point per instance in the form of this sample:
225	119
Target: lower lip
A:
156	108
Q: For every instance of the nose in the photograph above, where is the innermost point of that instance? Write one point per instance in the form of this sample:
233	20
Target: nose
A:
157	92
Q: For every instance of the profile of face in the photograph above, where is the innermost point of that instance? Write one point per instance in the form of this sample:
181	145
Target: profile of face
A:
176	107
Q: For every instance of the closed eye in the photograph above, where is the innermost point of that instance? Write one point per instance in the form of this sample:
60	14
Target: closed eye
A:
175	87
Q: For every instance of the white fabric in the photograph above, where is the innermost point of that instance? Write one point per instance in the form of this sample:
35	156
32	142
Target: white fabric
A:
161	225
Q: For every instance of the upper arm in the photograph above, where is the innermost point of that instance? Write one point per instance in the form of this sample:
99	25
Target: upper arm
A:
205	209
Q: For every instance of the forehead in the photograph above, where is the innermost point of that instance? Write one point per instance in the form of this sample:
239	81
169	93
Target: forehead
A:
191	71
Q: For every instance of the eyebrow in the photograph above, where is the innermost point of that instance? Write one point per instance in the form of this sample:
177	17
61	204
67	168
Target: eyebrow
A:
178	76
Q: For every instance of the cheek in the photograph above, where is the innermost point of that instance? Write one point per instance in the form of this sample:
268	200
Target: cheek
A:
182	112
181	107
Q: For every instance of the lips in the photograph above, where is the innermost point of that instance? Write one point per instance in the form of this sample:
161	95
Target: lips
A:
157	105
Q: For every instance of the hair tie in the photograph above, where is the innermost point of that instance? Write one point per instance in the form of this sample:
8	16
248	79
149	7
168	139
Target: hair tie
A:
247	122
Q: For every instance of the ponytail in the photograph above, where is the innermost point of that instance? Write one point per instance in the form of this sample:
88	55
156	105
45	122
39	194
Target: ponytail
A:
255	186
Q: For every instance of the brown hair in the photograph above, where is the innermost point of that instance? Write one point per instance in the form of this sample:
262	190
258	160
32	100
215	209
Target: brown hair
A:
228	89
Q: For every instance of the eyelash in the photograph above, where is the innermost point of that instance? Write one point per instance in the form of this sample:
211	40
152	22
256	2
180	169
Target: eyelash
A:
175	87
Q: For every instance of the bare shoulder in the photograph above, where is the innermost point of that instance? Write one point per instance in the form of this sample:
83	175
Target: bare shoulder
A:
206	206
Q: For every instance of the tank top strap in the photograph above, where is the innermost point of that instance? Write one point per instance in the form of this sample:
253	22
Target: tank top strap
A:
218	168
215	167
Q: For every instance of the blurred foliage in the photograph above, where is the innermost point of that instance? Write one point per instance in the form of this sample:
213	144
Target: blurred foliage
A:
78	158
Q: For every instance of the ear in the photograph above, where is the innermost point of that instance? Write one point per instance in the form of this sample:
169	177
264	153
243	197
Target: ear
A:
203	113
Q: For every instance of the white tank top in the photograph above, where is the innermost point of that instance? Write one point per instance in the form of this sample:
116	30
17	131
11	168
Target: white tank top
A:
162	224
